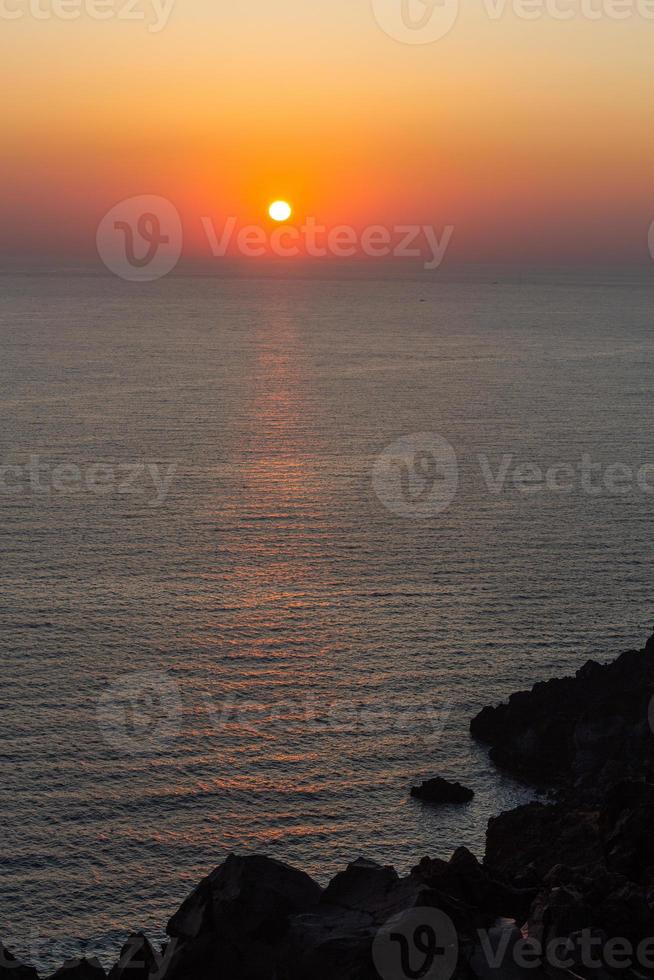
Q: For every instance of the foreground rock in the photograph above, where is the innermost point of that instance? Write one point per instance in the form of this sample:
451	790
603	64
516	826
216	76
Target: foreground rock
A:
439	791
593	865
590	854
271	936
574	877
13	969
236	920
80	970
138	960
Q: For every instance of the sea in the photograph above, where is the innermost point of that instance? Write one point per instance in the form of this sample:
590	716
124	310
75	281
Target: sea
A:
268	542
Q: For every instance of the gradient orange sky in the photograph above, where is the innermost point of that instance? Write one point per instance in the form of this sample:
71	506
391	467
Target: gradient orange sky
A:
532	138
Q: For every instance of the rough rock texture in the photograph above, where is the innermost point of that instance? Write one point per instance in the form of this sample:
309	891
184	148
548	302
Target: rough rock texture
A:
590	854
439	791
581	863
471	891
13	969
237	919
333	938
80	970
586	731
336	939
138	960
522	845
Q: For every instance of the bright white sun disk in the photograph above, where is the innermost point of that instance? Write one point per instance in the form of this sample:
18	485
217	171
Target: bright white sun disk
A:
280	211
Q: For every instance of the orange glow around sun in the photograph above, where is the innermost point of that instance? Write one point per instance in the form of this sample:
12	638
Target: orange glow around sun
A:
365	133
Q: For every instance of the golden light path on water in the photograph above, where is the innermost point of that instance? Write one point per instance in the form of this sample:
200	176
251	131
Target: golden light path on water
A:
327	653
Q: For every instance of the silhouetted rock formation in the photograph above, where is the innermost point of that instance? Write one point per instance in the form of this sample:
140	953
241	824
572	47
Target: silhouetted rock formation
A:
13	969
239	915
571	876
80	970
590	854
332	937
439	791
593	865
137	960
584	732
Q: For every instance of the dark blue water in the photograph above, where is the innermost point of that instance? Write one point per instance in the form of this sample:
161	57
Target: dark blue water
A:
226	626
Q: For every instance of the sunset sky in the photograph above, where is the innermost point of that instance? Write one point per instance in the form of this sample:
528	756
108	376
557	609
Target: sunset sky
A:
532	137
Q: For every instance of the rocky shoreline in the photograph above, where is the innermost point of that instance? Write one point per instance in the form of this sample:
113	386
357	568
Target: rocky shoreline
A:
566	889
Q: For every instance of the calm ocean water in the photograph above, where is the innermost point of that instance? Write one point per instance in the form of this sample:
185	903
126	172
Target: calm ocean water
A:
296	653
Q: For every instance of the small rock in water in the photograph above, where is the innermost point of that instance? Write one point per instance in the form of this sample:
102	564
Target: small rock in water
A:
440	790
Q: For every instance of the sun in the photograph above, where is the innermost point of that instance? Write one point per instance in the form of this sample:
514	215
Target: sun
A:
280	210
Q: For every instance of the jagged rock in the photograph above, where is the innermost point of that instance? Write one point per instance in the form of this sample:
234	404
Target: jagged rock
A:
335	939
584	731
465	881
495	957
137	960
80	970
194	916
560	912
209	957
237	917
267	890
440	791
332	942
13	969
522	845
626	910
360	885
626	823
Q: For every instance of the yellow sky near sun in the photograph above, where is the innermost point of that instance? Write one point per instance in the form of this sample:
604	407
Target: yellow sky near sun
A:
510	129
